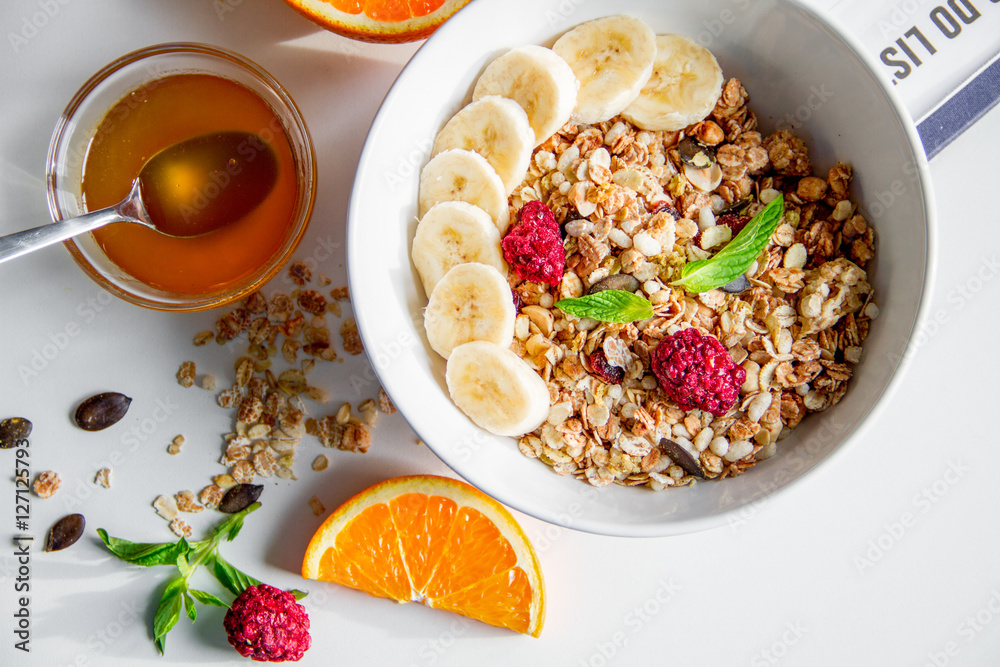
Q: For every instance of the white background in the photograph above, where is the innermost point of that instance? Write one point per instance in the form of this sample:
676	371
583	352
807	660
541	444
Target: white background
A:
887	556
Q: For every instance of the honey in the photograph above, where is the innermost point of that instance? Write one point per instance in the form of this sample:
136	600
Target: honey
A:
165	112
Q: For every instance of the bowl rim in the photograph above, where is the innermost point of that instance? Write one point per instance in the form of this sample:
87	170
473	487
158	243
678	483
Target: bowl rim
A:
307	166
722	517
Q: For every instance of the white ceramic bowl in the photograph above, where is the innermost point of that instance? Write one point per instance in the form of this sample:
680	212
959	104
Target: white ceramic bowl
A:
800	71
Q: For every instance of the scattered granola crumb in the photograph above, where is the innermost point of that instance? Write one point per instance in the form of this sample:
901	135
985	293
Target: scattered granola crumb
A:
368	411
344	414
103	478
203	338
208	383
210	496
317	506
320	463
385	403
185	374
300	273
351	337
166	507
46	483
340	293
357	438
186	502
180	528
175	445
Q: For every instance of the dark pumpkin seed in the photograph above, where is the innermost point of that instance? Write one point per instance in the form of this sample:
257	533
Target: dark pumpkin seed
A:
12	430
101	411
618	281
682	457
65	532
736	208
240	497
738	284
694	154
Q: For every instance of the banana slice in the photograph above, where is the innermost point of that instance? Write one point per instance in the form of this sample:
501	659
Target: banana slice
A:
498	129
496	389
685	85
453	233
537	79
612	57
471	302
461	175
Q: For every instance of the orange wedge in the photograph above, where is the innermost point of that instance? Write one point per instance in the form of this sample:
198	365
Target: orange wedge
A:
379	20
437	541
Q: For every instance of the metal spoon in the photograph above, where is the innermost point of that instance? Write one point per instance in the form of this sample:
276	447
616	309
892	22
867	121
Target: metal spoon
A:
188	189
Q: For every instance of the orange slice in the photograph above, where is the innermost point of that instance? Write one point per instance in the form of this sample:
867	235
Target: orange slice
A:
437	541
379	20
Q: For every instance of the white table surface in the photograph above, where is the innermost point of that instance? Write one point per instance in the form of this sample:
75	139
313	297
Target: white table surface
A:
888	556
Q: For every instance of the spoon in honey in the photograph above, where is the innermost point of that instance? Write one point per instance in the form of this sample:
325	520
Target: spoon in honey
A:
188	189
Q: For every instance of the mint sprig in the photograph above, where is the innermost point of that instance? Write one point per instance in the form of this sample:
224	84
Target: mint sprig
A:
610	305
727	264
187	557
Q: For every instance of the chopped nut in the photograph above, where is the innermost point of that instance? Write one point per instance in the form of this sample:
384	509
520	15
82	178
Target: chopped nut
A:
317	506
320	462
103	478
175	445
208	383
203	338
166	507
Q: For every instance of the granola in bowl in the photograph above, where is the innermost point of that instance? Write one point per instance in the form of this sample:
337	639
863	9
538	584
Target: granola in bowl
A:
627	208
645	202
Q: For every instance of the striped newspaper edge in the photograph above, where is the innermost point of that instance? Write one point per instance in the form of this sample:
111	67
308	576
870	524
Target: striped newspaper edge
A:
961	109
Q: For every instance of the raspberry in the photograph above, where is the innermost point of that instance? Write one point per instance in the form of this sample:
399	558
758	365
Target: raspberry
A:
697	372
267	624
604	370
533	247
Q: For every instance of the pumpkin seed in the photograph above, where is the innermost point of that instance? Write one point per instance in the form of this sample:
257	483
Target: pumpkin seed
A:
65	532
738	284
681	456
102	410
618	281
240	497
12	430
695	154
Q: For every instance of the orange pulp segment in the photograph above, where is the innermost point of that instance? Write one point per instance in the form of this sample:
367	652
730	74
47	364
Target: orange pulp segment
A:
433	540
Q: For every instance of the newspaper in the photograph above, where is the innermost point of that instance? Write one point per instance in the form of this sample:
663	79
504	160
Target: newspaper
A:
942	57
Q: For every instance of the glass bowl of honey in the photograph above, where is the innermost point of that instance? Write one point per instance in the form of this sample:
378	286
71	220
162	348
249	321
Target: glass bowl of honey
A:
145	102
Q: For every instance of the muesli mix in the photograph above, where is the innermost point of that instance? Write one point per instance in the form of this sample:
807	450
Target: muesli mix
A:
687	287
627	209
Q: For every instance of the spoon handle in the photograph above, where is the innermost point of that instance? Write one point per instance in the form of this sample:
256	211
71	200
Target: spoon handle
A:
20	243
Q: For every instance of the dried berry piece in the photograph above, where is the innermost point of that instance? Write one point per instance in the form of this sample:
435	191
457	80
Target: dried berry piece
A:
102	410
618	281
696	371
65	532
12	430
604	370
733	221
682	457
240	497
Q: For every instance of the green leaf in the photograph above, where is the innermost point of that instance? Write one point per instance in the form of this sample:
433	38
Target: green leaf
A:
727	264
608	306
230	577
169	611
189	607
298	594
141	553
232	526
207	598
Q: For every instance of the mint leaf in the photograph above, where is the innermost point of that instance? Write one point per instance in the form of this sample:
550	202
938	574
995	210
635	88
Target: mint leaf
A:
737	256
141	553
169	611
189	607
230	577
608	306
207	598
